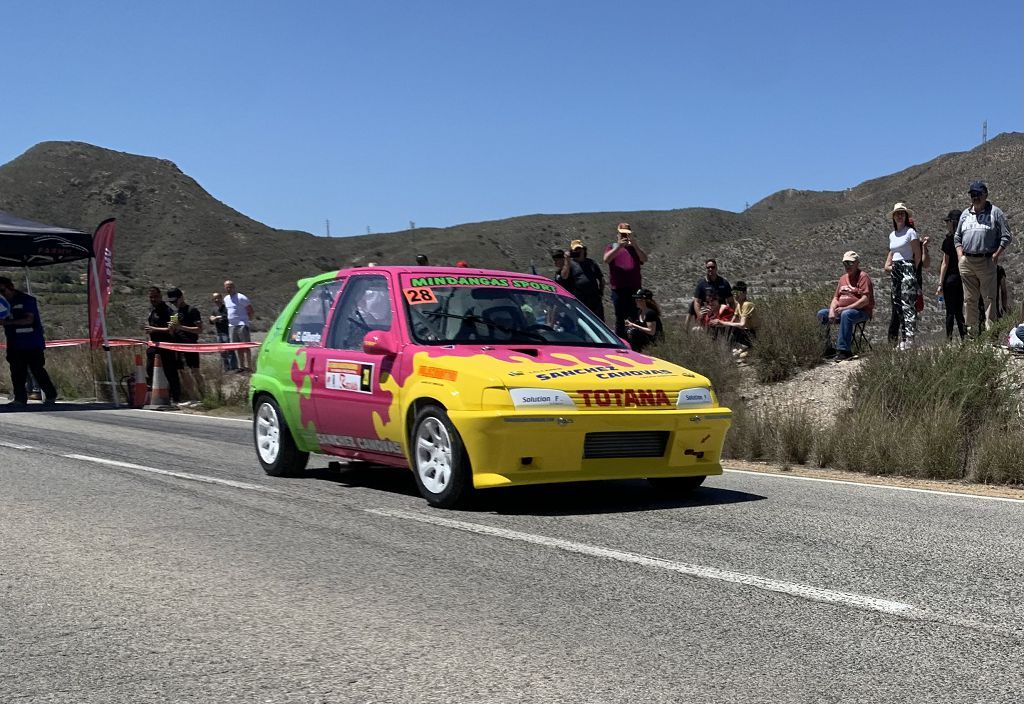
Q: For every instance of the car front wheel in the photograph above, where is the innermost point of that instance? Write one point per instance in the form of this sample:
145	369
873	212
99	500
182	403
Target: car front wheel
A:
275	447
439	460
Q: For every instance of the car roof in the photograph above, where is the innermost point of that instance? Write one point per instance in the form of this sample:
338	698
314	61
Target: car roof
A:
418	271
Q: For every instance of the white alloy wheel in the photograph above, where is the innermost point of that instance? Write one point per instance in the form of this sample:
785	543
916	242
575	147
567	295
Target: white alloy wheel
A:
433	455
268	433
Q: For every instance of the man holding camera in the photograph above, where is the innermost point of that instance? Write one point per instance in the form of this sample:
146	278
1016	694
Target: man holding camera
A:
580	275
624	258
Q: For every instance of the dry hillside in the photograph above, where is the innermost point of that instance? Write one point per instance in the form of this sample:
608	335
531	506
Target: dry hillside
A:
789	239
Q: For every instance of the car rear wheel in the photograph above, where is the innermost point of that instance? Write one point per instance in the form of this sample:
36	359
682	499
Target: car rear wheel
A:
439	460
275	447
677	486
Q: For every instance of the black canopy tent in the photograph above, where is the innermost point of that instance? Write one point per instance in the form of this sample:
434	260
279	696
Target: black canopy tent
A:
26	243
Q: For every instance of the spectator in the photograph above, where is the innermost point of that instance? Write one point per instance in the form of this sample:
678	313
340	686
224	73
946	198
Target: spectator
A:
240	312
26	344
905	256
982	235
743	325
220	324
711	283
645	326
158	327
580	276
624	258
186	326
421	260
594	290
950	287
853	302
711	311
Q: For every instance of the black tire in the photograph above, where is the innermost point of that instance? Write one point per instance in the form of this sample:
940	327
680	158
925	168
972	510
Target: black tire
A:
676	486
440	463
275	446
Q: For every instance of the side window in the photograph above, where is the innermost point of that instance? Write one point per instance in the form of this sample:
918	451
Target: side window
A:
308	323
365	305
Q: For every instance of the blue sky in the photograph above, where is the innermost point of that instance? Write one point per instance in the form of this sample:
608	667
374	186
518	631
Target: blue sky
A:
377	114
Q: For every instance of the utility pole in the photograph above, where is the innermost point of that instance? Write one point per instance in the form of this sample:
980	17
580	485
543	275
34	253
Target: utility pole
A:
367	229
412	224
984	132
328	228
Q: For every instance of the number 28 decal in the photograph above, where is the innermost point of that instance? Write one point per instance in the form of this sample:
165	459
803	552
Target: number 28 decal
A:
419	295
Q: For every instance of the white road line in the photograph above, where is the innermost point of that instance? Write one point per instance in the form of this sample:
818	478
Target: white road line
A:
167	472
15	446
200	416
866	485
803	591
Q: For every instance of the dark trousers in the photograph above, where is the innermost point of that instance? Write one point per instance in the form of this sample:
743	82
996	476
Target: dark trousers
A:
625	308
953	295
229	358
169	362
21	361
594	303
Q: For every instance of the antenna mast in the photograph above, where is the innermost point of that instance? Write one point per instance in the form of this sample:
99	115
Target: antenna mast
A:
328	228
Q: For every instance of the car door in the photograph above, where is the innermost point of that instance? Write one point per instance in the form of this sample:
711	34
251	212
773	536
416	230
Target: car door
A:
353	393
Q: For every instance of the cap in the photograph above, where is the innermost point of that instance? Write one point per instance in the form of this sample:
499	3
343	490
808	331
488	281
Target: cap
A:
977	187
461	264
421	259
952	216
624	229
904	208
173	294
851	256
644	293
576	244
557	253
740	286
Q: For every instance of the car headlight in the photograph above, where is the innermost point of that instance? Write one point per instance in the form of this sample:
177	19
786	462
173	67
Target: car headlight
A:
699	397
540	398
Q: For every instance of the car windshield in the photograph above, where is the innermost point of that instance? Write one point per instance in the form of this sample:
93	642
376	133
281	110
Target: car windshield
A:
463	314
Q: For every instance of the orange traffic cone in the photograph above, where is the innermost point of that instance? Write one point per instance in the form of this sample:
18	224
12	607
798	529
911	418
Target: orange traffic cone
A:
138	399
160	395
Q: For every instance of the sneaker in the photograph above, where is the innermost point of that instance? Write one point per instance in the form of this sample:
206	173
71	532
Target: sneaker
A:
844	355
829	352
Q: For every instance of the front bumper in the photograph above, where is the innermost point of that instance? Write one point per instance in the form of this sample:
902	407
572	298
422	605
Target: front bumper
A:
507	449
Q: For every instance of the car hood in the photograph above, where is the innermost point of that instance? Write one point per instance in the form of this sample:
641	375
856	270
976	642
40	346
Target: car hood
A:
591	378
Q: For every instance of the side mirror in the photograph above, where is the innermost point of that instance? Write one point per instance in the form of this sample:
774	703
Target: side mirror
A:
381	342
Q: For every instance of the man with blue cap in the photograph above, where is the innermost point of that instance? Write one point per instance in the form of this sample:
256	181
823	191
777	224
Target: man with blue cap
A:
981	237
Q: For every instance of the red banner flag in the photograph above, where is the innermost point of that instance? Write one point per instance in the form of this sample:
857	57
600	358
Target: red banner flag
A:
103	250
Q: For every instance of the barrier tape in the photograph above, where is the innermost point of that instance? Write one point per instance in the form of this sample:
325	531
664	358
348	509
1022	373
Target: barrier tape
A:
200	347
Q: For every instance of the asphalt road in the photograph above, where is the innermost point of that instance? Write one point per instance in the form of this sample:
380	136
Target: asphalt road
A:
145	557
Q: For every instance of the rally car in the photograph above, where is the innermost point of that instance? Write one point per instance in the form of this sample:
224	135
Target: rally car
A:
474	379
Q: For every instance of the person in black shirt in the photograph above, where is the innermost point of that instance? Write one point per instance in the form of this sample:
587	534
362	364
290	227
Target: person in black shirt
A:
580	276
186	326
950	286
711	282
645	326
157	325
220	323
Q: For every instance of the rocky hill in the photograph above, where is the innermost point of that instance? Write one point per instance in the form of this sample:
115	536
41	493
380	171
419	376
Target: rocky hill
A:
172	232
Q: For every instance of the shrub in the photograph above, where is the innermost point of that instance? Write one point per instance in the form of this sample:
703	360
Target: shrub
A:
916	412
790	336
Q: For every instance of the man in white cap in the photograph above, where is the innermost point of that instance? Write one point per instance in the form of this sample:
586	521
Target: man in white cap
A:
980	238
853	302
